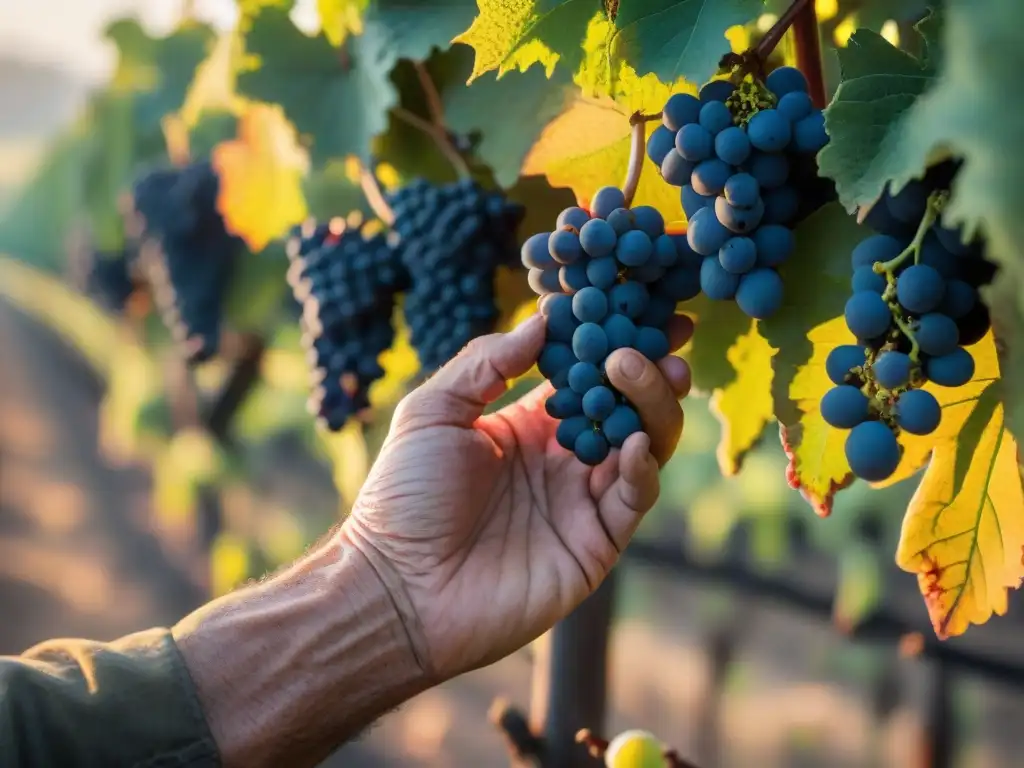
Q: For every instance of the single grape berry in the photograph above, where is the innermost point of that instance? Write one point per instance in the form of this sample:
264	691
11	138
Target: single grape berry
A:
936	334
760	293
844	407
959	299
809	135
652	343
606	200
634	248
918	412
769	131
603	272
783	80
974	325
709	176
589	344
573	277
680	109
866	279
564	246
555	361
629	299
598	403
561	322
769	168
675	170
705	233
694	142
660	308
738	255
591	447
952	370
908	205
716	283
742	190
574	217
571	428
774	244
920	289
795	105
892	369
598	238
590	305
583	377
661	142
680	283
693	201
867	315
732	145
666	254
542	281
875	248
938	258
564	403
715	117
872	451
622	423
649	220
620	330
535	254
842	360
620	220
739	220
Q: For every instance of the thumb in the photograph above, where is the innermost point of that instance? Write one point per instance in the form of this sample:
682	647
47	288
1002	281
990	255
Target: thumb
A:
458	393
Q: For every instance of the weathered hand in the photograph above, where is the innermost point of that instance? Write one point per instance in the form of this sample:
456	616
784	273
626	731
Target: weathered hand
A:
484	529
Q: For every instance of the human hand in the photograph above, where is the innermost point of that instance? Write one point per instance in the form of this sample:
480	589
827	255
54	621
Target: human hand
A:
483	528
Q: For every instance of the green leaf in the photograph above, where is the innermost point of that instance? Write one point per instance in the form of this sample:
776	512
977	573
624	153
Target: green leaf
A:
508	113
678	38
329	192
719	325
258	289
871	121
511	34
157	70
973	113
417	29
338	99
211	129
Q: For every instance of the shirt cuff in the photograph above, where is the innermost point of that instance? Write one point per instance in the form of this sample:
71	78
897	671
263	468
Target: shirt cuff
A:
127	703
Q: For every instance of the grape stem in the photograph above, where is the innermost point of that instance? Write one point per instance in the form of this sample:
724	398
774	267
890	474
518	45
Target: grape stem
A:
774	36
638	123
931	214
440	136
915	348
374	195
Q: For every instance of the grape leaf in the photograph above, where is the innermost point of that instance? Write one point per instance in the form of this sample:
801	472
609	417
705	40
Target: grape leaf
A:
258	290
341	18
329	192
509	114
510	34
968	113
260	175
963	534
871	120
157	71
744	406
817	285
678	38
341	99
588	145
417	29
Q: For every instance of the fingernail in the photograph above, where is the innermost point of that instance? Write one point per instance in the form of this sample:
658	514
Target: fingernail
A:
632	366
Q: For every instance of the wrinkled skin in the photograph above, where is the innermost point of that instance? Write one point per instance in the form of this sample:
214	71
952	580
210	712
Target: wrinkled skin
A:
485	530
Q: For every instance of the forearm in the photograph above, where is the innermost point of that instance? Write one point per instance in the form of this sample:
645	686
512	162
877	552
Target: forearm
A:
289	669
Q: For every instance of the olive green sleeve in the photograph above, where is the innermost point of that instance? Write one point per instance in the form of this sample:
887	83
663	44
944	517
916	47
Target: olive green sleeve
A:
82	704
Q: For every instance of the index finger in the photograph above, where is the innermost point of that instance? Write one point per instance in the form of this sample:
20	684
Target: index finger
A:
644	385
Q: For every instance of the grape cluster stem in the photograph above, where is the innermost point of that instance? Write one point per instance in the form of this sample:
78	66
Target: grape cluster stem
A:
888	268
638	123
374	196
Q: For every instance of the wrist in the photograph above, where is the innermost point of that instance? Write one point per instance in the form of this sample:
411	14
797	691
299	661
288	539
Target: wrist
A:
289	669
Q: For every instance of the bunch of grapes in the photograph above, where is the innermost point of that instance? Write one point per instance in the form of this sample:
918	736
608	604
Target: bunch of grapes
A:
740	155
189	277
346	281
608	278
452	239
915	306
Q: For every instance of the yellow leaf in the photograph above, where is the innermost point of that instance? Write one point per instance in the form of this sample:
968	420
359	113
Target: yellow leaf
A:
957	404
963	534
817	457
350	458
341	18
229	563
400	365
587	146
261	177
744	406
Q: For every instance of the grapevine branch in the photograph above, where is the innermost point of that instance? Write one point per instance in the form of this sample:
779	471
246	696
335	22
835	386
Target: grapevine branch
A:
637	122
